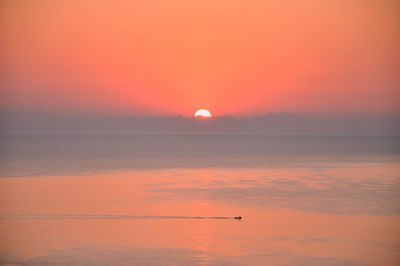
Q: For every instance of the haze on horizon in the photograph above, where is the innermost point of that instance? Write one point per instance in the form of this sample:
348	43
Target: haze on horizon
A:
170	58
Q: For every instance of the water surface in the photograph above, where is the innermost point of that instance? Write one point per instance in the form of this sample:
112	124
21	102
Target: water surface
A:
129	198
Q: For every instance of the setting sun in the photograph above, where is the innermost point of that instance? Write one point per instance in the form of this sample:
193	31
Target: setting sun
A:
202	113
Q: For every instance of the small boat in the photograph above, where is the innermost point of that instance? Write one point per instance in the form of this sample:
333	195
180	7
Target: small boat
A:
238	217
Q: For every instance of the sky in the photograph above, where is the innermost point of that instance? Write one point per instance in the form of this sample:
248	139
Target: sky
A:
159	57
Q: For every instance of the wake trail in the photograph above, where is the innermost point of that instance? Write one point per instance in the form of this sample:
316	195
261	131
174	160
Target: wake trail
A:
105	217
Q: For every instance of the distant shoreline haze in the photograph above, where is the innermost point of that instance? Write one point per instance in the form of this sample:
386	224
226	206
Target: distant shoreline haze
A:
270	123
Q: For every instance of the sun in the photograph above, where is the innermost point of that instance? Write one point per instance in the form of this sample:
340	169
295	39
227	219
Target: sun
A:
203	113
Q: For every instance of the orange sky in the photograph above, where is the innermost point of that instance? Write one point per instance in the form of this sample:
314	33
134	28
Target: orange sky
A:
170	57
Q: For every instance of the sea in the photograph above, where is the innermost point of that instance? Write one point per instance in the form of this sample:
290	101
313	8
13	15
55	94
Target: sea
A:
181	198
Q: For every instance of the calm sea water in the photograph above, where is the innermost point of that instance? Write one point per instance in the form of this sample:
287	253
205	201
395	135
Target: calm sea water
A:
123	198
57	153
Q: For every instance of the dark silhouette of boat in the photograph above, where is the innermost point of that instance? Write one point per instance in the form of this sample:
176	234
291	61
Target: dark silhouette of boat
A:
238	217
